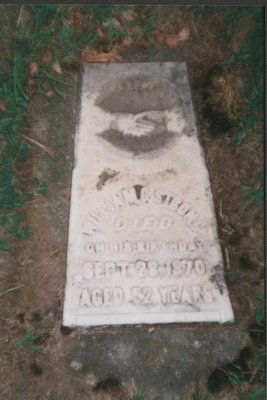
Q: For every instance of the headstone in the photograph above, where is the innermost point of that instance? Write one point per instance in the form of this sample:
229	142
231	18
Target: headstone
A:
143	245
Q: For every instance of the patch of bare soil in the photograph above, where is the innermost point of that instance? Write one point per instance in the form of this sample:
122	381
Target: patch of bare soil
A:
33	368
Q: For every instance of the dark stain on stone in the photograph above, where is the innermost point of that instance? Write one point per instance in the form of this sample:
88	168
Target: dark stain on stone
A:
217	278
137	93
36	370
175	74
163	198
167	172
109	385
187	131
170	171
192	306
138	189
138	144
65	330
104	177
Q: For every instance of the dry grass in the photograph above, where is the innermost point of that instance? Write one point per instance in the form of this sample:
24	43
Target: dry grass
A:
40	265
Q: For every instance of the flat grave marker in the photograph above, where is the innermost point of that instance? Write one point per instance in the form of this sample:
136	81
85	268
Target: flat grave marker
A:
143	245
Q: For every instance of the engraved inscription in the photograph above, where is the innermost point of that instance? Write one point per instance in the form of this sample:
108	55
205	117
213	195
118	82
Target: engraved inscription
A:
142	295
142	269
140	224
153	246
143	248
180	292
139	195
186	294
99	297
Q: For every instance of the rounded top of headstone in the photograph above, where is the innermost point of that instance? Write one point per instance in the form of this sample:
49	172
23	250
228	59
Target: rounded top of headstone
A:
137	93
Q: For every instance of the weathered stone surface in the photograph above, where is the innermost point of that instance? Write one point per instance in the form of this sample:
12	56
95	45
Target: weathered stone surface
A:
164	360
143	244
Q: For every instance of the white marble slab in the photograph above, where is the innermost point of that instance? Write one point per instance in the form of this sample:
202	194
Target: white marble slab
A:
143	245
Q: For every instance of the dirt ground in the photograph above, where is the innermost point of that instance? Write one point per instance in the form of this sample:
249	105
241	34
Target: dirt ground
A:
35	269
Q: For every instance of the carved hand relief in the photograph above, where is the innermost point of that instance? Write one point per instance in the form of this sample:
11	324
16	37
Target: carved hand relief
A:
143	245
139	109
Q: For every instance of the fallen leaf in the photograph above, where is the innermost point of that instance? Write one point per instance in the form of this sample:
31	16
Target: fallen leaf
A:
77	20
178	19
133	31
100	33
90	379
184	34
144	43
172	41
31	82
50	93
92	55
116	24
33	67
3	105
160	37
129	15
47	57
235	304
221	80
127	42
57	67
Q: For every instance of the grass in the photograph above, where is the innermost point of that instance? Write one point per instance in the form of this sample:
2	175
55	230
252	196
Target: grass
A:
21	389
259	328
245	377
249	56
199	394
47	37
147	28
258	393
47	31
260	310
238	375
137	396
253	194
30	339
